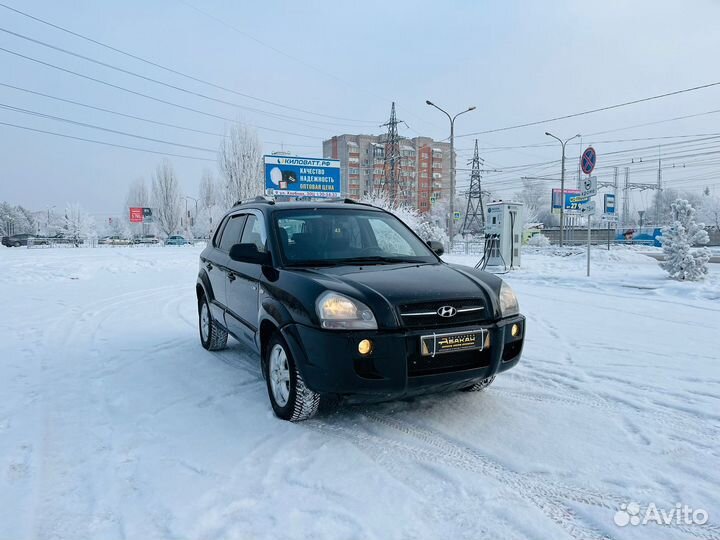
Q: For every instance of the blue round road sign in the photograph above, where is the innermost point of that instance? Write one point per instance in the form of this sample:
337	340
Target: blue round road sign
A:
588	159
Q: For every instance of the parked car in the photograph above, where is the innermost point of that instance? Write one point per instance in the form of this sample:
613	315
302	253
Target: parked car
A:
62	238
115	240
342	299
146	239
17	240
176	240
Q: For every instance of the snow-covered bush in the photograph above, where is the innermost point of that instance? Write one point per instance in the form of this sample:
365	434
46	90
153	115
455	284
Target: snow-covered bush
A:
682	262
423	227
539	240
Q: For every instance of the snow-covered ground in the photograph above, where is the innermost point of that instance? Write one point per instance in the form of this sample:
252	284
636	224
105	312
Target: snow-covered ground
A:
115	423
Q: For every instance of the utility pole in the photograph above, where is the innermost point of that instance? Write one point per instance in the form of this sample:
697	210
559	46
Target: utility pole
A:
391	173
659	192
562	181
452	162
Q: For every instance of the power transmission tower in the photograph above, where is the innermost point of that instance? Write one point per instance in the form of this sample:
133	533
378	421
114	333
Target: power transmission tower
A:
391	182
474	213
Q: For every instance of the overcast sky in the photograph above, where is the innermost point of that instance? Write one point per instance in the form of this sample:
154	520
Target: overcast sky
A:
345	62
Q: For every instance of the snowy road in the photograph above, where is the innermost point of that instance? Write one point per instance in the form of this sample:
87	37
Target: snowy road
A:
115	423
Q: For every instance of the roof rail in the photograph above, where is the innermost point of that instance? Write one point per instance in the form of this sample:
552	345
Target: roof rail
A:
258	199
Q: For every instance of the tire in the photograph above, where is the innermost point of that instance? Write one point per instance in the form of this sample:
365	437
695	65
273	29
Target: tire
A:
213	337
16	244
290	399
480	385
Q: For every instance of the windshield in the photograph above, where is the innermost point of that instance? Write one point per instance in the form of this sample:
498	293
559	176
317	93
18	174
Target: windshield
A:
327	236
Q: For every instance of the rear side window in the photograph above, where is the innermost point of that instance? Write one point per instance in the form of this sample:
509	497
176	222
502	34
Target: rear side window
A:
231	232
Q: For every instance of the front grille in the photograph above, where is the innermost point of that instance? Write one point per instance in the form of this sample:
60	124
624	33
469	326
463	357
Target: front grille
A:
425	314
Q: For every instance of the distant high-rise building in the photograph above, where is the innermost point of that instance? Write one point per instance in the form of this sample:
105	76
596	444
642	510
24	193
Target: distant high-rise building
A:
424	167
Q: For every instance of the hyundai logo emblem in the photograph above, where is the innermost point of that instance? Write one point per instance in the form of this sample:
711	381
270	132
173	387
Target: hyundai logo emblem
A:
447	311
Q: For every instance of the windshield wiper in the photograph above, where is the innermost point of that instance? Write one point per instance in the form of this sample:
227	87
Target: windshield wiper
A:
368	259
377	259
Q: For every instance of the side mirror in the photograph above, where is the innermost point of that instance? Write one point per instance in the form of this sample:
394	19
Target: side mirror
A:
436	246
249	253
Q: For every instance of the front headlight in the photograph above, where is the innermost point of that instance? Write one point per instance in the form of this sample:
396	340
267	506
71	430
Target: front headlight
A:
508	301
338	312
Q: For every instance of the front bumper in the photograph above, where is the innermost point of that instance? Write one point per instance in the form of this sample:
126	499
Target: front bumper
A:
329	361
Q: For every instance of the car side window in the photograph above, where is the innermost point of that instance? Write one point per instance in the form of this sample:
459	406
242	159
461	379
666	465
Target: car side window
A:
255	233
231	232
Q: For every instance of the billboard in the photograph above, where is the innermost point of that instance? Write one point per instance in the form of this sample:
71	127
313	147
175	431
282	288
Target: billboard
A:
302	177
573	200
140	215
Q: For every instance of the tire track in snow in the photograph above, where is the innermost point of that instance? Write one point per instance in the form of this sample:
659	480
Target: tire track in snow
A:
679	420
99	499
549	496
383	450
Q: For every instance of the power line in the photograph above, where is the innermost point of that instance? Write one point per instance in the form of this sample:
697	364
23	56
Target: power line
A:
147	96
135	117
295	119
103	142
110	111
591	111
100	128
174	71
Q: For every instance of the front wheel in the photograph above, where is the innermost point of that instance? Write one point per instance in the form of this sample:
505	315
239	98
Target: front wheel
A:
290	398
213	337
480	385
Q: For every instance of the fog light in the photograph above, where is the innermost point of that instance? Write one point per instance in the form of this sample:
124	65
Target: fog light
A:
365	347
515	330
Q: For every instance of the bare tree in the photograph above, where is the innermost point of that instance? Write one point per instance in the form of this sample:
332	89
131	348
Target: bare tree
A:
211	206
166	198
240	162
138	194
208	192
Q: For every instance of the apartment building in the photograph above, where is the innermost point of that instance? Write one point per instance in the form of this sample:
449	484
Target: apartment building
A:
423	171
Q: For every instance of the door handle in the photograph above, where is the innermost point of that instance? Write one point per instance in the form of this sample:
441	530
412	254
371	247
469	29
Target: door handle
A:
231	276
209	266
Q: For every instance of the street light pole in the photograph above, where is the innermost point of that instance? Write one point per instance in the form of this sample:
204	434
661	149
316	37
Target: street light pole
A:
186	197
452	162
562	182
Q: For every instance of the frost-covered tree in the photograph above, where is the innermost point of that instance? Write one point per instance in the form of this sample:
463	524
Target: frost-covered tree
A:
77	224
711	210
420	223
166	198
16	220
240	163
681	261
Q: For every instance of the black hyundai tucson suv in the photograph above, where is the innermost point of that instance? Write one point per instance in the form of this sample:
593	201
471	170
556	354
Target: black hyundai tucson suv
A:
343	300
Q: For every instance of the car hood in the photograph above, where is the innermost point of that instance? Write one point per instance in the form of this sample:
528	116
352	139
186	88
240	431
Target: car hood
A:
399	284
